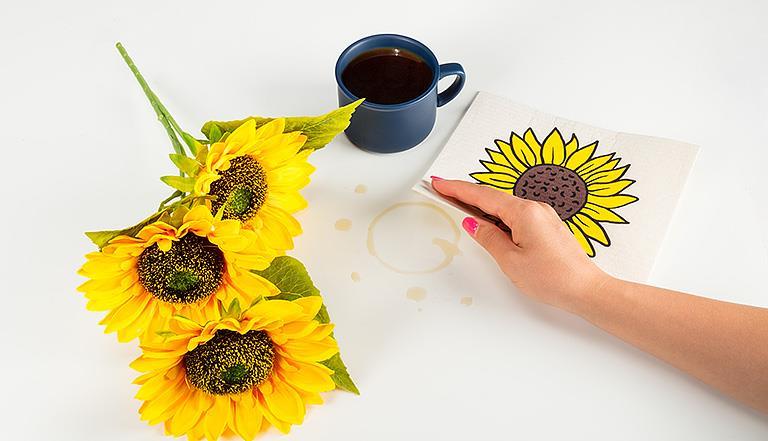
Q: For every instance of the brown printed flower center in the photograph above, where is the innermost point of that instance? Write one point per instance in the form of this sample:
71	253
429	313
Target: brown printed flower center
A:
562	188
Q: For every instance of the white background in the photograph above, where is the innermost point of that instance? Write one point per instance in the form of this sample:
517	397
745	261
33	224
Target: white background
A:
82	150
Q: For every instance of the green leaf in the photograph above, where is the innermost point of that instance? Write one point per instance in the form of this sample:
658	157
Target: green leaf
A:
190	141
340	375
320	130
234	309
214	133
289	276
179	183
102	238
177	218
185	163
292	279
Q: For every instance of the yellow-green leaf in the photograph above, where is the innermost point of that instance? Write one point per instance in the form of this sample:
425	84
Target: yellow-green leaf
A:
185	184
340	375
320	130
214	133
185	163
102	238
190	141
292	279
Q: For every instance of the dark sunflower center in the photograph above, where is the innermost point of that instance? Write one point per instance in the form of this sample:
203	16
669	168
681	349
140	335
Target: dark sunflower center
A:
560	187
190	271
241	189
230	362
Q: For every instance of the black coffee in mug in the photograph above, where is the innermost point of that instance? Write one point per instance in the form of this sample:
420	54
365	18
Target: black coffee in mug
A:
388	76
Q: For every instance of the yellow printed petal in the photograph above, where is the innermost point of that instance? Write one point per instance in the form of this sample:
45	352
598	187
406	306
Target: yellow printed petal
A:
611	201
607	176
522	151
583	241
498	157
533	144
498	168
610	165
581	156
498	180
571	147
508	152
609	188
553	149
602	214
594	164
591	228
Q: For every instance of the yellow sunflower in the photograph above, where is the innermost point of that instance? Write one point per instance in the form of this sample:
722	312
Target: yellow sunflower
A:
237	374
255	176
581	187
164	270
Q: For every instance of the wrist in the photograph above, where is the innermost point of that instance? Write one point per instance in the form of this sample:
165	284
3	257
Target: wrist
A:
587	296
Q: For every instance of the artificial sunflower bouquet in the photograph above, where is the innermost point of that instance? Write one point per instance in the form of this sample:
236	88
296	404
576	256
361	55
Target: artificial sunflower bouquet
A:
234	335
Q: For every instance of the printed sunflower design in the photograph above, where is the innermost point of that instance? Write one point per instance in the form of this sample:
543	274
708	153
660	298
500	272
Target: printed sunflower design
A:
255	176
582	188
237	374
164	270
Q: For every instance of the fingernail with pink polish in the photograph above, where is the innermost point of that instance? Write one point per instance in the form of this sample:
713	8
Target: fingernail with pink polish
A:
437	178
470	225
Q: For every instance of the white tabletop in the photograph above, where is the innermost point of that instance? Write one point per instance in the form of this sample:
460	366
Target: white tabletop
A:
82	150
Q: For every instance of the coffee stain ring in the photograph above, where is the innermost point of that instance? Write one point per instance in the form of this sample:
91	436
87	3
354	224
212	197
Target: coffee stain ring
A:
449	248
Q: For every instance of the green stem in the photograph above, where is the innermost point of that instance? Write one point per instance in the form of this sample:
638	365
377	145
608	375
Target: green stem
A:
162	113
173	196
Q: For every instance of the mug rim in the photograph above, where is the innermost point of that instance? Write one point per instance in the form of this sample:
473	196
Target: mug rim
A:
396	106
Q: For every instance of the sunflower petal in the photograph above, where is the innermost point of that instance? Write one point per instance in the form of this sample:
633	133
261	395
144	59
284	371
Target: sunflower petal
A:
248	418
533	144
217	416
279	424
187	415
594	164
581	156
553	149
310	351
602	214
508	152
498	168
522	151
498	180
571	147
591	229
498	157
609	188
309	377
285	403
582	239
607	176
611	201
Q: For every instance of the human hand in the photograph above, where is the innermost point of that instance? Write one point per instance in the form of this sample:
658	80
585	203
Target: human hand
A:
540	255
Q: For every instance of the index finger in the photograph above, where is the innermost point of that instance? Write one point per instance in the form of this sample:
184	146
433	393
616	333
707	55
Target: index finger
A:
488	199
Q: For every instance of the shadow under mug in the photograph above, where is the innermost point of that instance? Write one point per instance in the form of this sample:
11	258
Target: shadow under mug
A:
390	128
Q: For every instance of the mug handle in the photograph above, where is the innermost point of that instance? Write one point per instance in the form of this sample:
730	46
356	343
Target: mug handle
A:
450	93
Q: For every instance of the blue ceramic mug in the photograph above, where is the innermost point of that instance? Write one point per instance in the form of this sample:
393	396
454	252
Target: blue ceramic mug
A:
390	128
